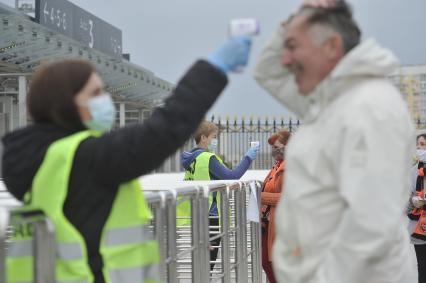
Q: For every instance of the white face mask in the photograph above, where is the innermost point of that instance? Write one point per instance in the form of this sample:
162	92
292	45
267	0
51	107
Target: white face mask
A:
213	145
102	110
421	155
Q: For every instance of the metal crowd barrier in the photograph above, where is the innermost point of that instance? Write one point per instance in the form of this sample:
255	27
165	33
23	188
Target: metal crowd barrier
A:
184	250
43	248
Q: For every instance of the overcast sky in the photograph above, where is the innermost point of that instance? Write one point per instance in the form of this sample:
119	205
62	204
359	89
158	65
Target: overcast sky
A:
168	36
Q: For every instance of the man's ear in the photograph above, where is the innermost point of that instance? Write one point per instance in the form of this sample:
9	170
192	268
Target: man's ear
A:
333	48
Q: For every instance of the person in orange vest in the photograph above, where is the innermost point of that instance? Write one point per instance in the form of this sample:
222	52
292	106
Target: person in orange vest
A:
417	209
270	196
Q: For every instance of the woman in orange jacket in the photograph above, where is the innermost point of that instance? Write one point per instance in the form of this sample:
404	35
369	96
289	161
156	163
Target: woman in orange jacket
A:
271	194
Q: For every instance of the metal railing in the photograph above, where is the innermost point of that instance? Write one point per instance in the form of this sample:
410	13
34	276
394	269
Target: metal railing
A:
43	244
184	250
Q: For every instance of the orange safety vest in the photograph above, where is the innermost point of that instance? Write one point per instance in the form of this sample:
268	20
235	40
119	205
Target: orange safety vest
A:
270	186
419	214
416	212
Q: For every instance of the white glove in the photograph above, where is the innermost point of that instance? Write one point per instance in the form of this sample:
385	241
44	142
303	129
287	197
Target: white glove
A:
417	201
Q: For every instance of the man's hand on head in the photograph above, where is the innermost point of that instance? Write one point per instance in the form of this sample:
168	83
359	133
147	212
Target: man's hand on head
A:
324	4
320	3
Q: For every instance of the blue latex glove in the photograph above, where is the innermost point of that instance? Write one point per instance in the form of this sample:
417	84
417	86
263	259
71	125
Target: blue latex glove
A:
252	153
232	54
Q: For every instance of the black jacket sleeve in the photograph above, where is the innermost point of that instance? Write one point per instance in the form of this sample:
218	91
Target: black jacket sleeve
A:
137	149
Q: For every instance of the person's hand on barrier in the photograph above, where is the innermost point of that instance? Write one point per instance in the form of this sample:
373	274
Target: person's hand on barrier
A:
417	201
232	55
252	153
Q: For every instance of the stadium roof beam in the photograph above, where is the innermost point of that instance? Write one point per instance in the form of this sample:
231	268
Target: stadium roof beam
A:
25	44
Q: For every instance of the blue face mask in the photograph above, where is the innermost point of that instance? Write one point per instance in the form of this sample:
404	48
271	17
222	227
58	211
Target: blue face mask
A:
102	110
213	145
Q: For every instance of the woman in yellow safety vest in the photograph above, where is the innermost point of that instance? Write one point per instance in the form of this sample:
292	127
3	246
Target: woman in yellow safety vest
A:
84	177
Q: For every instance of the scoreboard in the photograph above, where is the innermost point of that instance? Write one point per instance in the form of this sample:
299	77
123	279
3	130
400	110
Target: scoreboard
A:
72	21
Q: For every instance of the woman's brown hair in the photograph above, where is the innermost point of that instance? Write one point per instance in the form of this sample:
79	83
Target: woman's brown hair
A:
52	91
283	136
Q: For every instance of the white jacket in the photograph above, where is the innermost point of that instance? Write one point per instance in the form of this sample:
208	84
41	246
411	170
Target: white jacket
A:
341	218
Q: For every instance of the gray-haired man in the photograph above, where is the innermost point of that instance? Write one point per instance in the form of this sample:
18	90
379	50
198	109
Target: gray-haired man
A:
341	216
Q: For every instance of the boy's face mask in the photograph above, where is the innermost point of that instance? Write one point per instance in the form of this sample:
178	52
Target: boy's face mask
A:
213	145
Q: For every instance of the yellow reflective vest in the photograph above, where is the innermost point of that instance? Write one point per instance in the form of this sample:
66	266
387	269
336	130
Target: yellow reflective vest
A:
129	252
197	171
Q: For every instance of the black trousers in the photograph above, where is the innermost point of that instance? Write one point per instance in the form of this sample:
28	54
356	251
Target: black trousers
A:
421	262
213	232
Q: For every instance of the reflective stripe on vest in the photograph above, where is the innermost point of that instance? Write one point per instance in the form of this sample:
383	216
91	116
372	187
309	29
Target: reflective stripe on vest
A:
20	248
69	251
65	251
75	281
63	281
130	235
78	281
137	274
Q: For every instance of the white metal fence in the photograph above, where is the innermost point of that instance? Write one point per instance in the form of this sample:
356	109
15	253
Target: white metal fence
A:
185	250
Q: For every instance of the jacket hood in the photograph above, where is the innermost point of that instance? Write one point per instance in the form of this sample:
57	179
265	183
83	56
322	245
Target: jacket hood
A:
367	60
23	152
189	156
